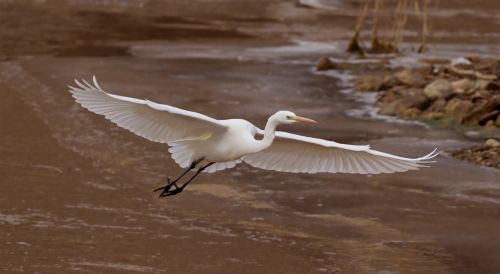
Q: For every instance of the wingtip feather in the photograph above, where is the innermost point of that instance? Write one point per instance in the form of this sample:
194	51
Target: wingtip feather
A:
82	86
88	84
72	89
431	155
94	79
85	85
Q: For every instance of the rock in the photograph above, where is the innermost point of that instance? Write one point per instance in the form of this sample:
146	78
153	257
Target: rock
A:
489	117
391	108
483	110
482	84
415	98
368	83
482	155
403	102
438	106
410	112
492	143
390	95
490	124
412	78
432	115
458	108
480	95
492	85
497	121
463	85
439	88
324	63
388	82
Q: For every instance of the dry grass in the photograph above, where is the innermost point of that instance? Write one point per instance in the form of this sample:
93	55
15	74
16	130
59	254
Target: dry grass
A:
354	45
425	24
395	24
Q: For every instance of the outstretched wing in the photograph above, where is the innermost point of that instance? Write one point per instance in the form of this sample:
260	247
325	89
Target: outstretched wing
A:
296	153
155	122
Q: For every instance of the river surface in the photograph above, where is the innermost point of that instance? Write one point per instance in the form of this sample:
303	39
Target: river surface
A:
76	189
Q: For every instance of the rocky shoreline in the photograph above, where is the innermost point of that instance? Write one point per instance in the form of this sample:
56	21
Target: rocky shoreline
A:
461	94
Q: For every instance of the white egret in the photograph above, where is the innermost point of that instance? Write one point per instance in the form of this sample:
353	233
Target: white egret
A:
206	144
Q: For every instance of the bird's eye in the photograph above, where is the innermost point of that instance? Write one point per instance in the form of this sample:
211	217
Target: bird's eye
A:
289	117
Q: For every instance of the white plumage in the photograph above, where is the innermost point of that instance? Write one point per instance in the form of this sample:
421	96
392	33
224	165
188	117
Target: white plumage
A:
225	143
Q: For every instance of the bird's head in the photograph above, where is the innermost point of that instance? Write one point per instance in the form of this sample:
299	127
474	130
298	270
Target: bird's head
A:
288	117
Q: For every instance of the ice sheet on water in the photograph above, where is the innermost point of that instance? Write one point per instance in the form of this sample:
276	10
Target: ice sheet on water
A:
330	5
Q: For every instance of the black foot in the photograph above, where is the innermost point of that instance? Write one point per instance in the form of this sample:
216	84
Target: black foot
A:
175	191
167	189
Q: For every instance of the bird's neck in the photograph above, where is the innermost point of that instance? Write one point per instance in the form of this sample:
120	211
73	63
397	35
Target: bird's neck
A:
269	133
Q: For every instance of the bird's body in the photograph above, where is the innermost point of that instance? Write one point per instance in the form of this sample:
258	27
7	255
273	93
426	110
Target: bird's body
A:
197	140
232	144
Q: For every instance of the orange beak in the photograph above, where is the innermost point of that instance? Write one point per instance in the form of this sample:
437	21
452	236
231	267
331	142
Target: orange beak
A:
304	120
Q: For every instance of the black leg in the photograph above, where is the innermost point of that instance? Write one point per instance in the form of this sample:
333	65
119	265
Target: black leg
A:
173	183
178	190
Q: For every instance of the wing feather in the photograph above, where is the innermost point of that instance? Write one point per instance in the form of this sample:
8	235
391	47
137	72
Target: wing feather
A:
153	121
295	153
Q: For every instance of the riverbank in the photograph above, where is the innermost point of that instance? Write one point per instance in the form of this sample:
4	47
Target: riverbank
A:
461	94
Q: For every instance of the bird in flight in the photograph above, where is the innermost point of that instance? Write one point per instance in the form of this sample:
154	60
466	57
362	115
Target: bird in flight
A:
202	143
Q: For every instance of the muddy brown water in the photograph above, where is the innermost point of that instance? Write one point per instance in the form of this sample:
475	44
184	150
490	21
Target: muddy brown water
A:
76	190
